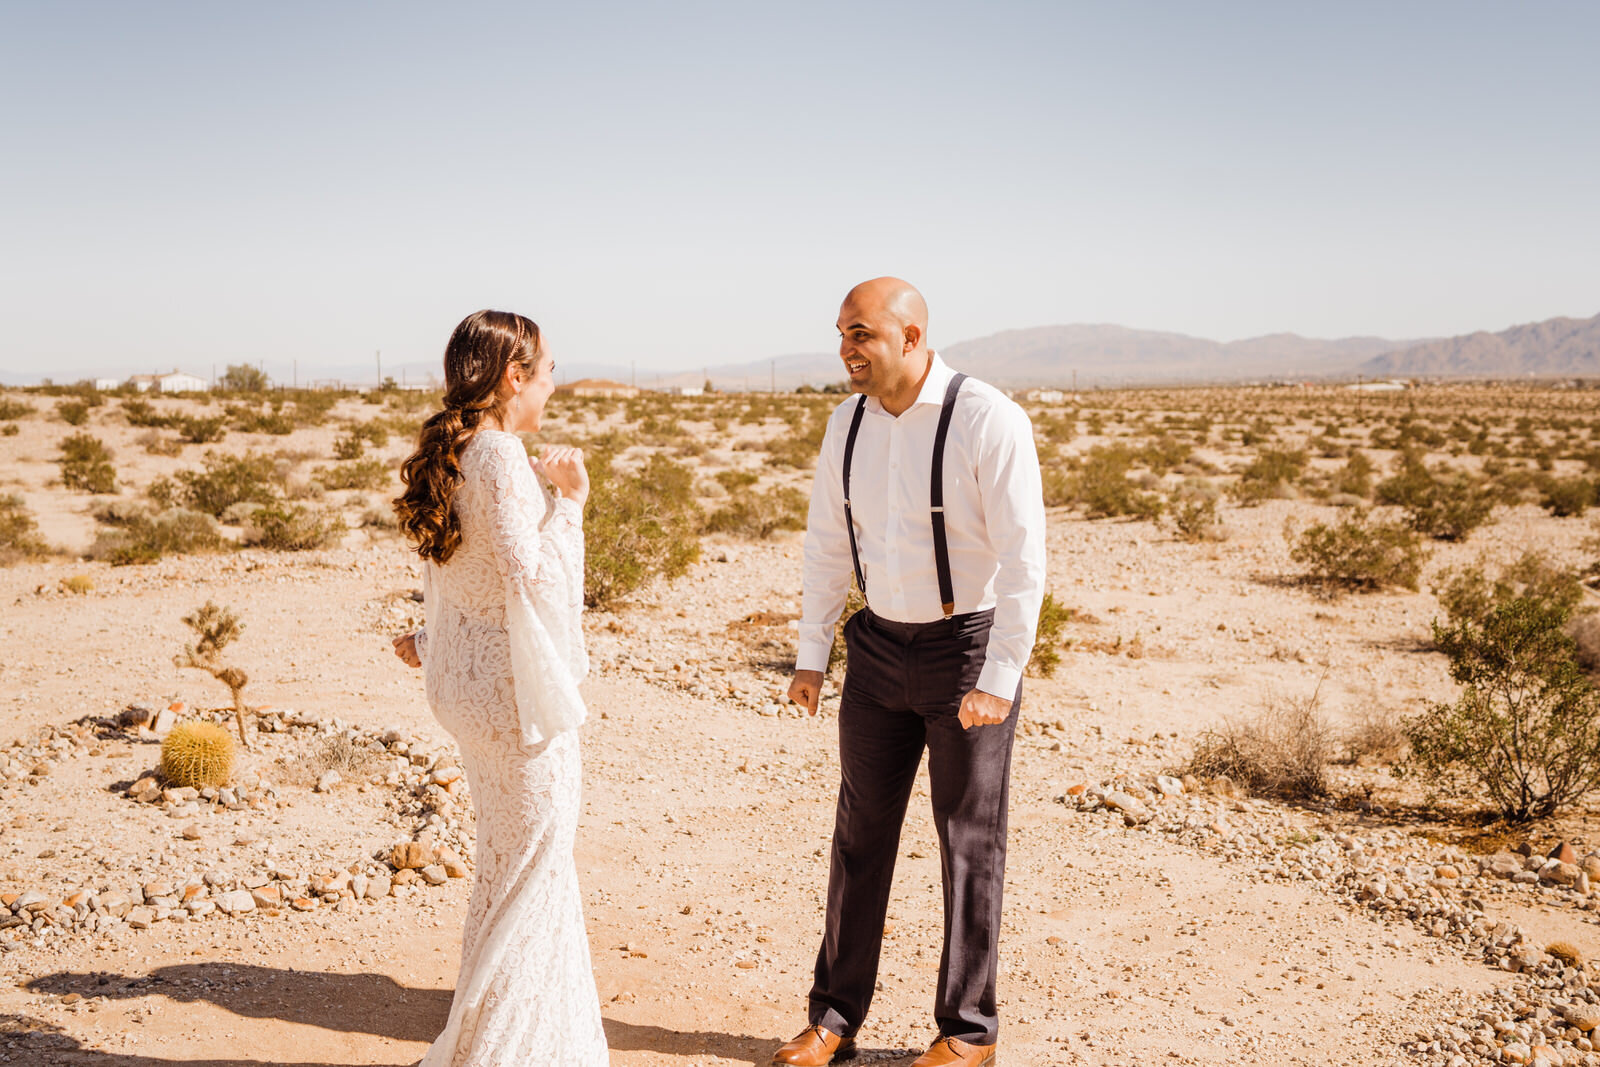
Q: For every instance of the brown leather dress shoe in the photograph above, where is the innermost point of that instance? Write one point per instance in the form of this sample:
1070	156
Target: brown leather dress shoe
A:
949	1052
815	1047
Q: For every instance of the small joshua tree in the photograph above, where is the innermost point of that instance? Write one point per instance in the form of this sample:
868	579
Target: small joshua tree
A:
217	628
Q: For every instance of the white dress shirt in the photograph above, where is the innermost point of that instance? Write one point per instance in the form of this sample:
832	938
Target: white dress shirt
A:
993	513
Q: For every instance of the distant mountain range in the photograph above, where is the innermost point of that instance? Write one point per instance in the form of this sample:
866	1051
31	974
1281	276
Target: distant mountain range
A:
1105	356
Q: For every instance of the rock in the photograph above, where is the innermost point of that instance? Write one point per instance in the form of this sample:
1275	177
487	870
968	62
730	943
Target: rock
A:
302	903
1131	808
1446	871
1583	1016
1590	865
1516	1052
434	874
1565	853
378	887
191	832
410	855
236	902
328	780
141	917
1558	872
199	909
165	720
1169	786
1501	864
444	775
452	864
267	896
158	889
115	903
405	876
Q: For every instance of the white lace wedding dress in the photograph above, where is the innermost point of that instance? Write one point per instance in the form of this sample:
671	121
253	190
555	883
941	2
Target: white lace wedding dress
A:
502	651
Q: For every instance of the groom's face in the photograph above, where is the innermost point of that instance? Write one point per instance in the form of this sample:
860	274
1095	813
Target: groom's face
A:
875	347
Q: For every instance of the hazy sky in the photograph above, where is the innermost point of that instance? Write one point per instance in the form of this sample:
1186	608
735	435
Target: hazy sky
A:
698	183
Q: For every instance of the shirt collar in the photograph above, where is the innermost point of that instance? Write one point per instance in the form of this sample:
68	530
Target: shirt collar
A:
933	387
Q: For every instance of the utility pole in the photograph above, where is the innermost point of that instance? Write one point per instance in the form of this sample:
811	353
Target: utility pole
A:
377	354
774	376
633	371
296	373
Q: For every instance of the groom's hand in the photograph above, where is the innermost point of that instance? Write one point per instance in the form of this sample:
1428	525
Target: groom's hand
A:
806	690
983	709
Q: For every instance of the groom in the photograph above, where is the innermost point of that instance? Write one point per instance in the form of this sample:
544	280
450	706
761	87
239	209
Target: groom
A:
927	492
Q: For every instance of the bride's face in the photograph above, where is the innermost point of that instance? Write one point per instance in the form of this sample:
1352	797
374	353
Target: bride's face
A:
526	405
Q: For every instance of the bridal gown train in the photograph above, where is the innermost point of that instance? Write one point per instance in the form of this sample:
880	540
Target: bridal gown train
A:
502	652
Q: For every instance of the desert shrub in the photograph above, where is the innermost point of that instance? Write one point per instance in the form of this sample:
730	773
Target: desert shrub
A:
1102	486
1375	737
360	474
86	464
1526	725
1194	520
1443	503
638	526
799	449
1566	497
199	431
293	527
1163	453
153	442
760	515
379	519
76	584
1467	595
1355	477
227	480
19	533
10	409
253	420
137	536
1283	751
1046	654
735	480
9	430
349	446
140	412
72	412
1270	474
1358	552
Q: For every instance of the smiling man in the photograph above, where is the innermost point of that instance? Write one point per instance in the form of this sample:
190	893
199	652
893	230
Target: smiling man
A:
927	493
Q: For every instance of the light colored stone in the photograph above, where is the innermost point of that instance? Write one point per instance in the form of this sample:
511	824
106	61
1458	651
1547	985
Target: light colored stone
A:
141	917
434	874
1583	1016
328	780
1130	807
236	902
452	863
267	896
411	855
166	719
1169	786
378	887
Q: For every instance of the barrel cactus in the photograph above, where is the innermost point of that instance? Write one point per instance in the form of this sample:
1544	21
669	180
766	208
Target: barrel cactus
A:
197	754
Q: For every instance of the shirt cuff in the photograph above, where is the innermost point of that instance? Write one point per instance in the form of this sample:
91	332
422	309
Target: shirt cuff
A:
999	679
570	508
816	641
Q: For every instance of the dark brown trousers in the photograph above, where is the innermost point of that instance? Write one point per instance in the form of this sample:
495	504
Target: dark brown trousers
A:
902	691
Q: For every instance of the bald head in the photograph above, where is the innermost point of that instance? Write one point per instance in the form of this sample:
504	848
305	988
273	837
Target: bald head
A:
894	297
883	340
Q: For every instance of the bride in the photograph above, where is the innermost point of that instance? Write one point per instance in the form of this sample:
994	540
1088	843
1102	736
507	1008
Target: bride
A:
502	654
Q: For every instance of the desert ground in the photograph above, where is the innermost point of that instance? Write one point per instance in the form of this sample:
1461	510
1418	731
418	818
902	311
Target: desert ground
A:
1151	917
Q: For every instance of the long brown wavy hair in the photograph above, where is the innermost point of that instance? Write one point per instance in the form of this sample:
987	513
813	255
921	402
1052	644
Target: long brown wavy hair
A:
475	362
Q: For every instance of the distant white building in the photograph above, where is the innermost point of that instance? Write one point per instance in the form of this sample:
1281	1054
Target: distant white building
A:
107	384
684	390
176	382
1045	396
1393	385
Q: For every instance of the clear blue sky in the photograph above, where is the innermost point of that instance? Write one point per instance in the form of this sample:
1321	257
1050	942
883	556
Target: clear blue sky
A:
698	183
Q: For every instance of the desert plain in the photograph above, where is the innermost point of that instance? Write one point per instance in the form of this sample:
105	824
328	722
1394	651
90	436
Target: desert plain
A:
1151	917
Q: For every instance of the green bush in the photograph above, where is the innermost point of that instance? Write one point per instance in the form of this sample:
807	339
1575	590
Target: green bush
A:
1566	497
243	378
73	412
1443	503
760	515
144	537
1270	474
251	420
9	430
11	410
226	480
1101	485
1194	520
735	480
638	526
140	412
19	533
1355	477
1526	724
293	527
362	474
1358	553
200	431
349	446
86	465
1046	654
1467	595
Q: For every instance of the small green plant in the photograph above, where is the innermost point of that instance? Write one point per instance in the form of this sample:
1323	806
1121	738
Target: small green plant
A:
86	464
227	480
1355	477
140	536
10	429
1526	725
349	446
1358	553
11	410
77	584
639	526
248	419
200	431
1566	497
243	378
1046	654
293	527
197	754
73	412
1443	503
1102	486
760	515
360	474
1272	473
1194	520
217	628
140	412
18	531
735	480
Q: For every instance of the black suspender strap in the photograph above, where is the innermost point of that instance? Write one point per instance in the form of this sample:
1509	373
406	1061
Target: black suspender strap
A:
849	520
941	548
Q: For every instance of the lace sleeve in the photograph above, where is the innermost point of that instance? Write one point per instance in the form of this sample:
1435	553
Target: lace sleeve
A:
545	667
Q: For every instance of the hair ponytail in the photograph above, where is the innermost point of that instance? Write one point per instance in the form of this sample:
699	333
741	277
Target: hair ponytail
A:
474	363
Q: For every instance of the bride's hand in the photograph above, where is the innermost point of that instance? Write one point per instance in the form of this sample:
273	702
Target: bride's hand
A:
405	646
564	467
